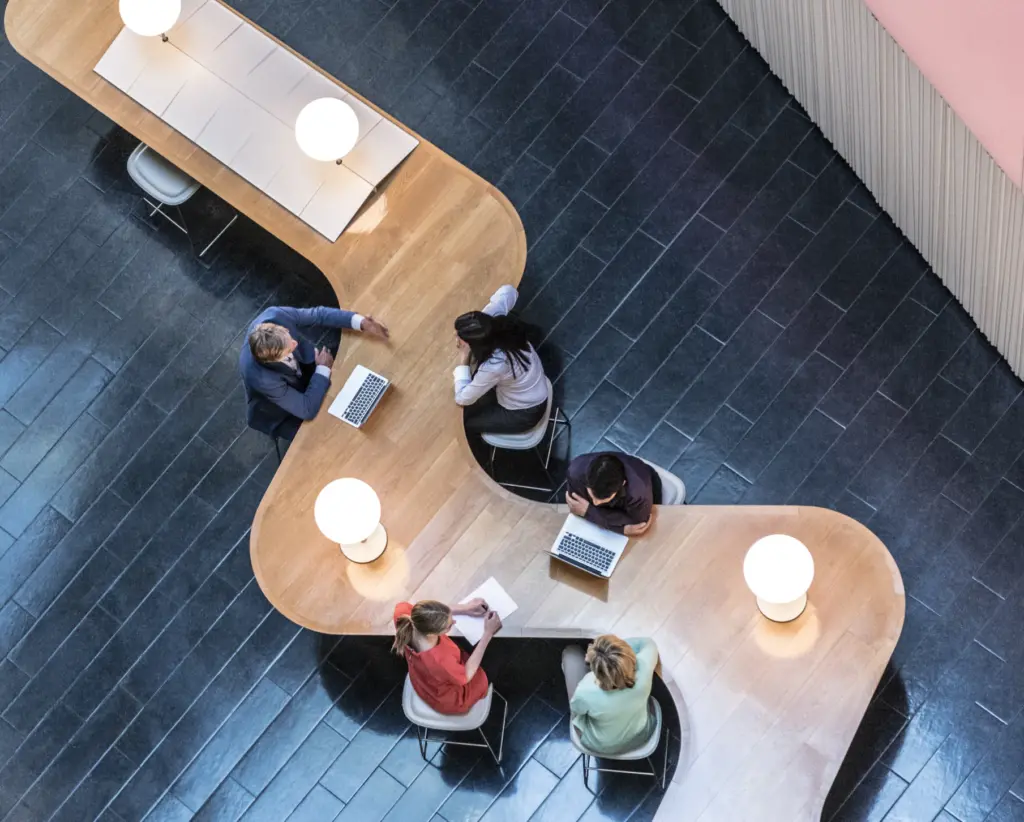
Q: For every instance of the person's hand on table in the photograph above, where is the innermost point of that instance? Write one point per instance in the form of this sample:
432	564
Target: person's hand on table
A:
577	505
375	328
640	528
492	623
323	357
474	607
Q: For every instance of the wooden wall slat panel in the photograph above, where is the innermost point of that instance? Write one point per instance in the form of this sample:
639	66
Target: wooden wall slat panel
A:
918	158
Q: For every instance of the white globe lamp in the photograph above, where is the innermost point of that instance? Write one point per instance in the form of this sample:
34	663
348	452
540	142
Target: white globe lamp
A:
778	570
347	511
150	18
327	129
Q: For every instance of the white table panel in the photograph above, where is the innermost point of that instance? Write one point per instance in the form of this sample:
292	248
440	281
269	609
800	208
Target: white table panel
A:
336	202
376	156
271	82
230	127
188	8
298	179
196	104
264	152
312	87
233	59
163	78
368	118
204	31
127	58
236	93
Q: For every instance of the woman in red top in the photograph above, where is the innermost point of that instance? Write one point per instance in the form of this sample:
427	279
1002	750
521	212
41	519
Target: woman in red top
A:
447	678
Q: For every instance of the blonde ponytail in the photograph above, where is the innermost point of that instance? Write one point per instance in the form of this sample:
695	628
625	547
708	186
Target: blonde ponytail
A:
403	634
428	617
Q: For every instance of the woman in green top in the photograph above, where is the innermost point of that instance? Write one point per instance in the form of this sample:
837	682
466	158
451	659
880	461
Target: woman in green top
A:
609	702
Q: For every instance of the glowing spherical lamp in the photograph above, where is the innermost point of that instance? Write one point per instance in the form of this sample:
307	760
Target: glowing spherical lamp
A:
347	511
150	18
327	129
778	570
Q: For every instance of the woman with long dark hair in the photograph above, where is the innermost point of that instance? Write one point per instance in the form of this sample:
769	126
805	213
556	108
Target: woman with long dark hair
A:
499	380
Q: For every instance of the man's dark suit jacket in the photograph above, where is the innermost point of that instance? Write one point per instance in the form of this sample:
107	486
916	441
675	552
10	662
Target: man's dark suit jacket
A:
278	399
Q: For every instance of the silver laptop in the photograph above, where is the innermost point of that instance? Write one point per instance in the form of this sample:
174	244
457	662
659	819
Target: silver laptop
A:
359	396
588	546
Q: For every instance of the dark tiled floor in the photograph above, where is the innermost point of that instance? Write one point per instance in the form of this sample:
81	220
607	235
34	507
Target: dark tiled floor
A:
716	291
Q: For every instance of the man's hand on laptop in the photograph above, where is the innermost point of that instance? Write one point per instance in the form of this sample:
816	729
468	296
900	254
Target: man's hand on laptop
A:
577	505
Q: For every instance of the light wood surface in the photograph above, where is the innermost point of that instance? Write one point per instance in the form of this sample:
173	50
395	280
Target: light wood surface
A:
768	711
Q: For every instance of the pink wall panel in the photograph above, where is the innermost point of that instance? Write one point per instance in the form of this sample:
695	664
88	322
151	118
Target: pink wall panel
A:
972	51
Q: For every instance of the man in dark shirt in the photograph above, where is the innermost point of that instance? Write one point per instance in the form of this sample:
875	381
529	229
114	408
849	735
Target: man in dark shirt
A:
615	491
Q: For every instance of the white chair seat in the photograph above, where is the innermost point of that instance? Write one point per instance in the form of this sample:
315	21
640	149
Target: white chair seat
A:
528	439
673	489
642	751
420	713
158	178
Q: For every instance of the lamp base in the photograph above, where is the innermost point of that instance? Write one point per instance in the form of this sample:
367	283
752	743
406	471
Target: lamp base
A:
369	549
782	611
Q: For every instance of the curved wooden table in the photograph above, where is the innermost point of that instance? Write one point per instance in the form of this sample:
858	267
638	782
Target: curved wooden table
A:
768	711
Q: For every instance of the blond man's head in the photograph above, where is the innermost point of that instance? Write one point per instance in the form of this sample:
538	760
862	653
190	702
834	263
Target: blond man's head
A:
270	342
612	662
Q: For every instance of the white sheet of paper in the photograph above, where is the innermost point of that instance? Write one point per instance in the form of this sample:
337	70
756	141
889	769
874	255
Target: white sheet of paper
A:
497	598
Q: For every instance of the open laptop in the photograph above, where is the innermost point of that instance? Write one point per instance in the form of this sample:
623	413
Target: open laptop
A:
589	547
359	396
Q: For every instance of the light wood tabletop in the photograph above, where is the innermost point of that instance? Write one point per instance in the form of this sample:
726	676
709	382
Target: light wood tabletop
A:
768	711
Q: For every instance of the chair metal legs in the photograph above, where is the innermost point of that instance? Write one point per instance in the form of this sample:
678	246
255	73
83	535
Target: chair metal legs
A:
423	737
557	418
650	762
220	234
180	224
277	447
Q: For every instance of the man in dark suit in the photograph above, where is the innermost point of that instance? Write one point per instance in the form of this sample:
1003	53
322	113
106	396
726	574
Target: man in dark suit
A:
285	376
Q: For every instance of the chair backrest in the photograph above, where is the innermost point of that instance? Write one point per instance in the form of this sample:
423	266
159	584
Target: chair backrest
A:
673	489
641	751
528	439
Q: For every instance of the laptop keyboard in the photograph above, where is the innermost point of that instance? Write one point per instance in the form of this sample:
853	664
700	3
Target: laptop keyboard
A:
586	553
365	399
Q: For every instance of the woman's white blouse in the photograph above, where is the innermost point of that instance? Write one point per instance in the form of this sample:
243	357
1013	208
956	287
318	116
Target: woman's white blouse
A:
525	389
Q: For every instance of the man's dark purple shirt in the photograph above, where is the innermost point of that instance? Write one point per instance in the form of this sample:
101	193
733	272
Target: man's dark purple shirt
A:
631	507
